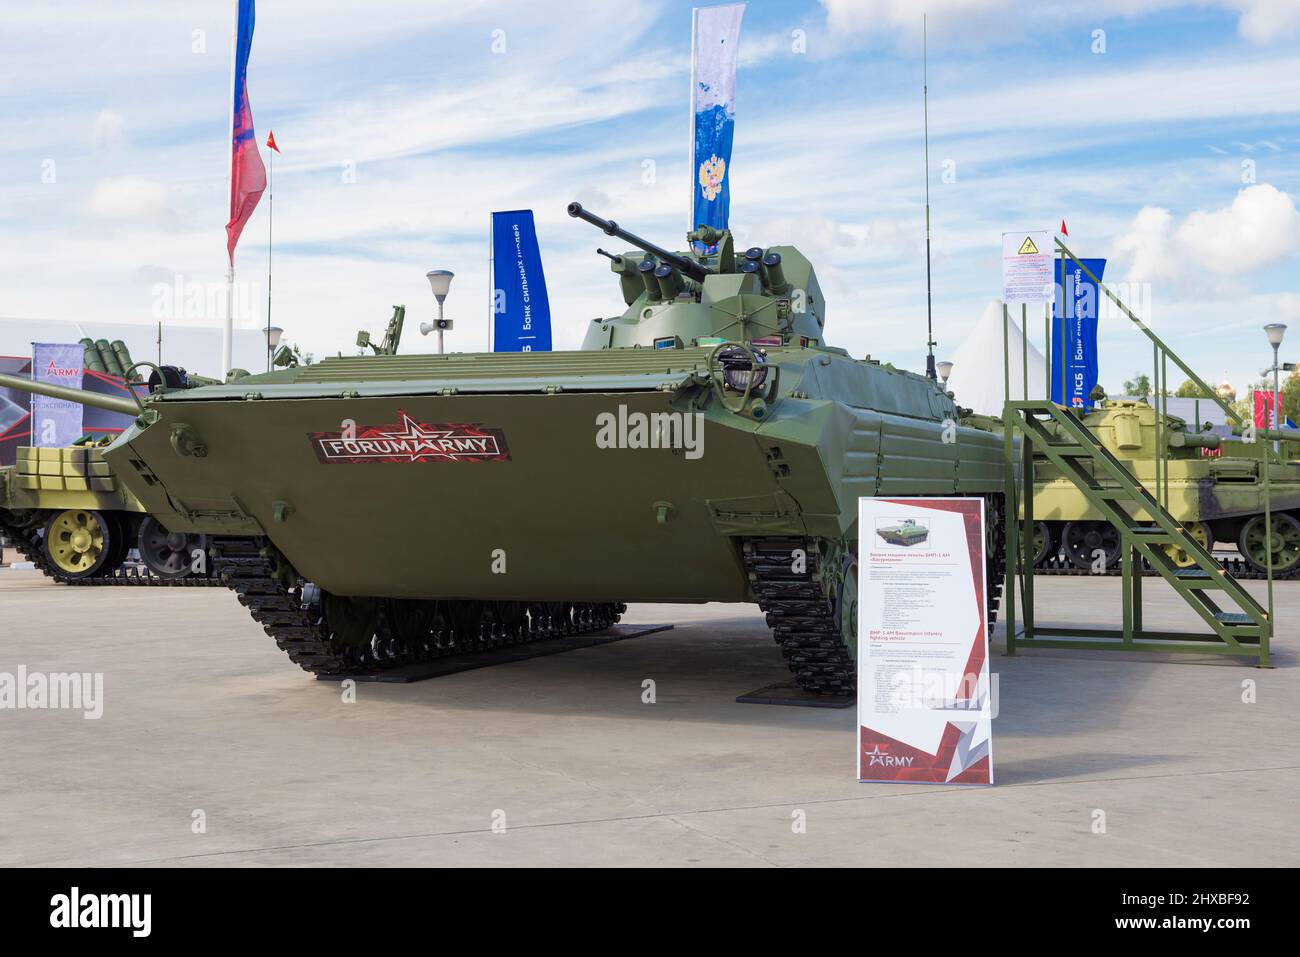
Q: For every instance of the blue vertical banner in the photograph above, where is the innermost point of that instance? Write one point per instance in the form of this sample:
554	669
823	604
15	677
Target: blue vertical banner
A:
521	320
1074	333
57	422
713	106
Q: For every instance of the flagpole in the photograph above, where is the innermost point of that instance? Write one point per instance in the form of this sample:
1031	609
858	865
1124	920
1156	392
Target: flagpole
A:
270	224
691	171
228	327
929	307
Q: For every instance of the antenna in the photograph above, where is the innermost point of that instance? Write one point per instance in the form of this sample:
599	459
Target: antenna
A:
929	308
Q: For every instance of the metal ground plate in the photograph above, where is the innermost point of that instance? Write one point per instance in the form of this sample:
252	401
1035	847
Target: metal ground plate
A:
453	664
789	694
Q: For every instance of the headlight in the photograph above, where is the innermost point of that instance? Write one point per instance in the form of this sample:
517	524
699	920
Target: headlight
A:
739	372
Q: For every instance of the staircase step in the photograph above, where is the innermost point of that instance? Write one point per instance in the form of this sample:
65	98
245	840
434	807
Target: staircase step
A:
1192	574
1233	618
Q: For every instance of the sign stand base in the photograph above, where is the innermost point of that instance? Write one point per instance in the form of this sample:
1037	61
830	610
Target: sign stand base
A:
789	694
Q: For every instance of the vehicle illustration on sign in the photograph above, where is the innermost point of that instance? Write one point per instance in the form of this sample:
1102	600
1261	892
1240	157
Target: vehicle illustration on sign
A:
907	532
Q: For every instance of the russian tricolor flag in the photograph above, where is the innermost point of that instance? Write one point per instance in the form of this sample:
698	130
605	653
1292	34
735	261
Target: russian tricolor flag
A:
247	174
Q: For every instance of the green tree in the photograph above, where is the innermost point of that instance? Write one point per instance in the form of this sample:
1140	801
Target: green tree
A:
1291	397
1190	390
1139	385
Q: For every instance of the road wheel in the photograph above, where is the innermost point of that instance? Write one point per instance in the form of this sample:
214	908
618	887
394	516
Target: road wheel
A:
846	600
351	621
80	543
1201	533
1044	545
167	554
1254	543
1082	540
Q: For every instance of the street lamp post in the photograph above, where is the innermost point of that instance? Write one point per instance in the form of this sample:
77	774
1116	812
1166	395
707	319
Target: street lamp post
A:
1275	331
945	370
440	283
273	334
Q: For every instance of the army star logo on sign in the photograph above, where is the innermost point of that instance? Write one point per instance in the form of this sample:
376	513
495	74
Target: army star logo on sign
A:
411	441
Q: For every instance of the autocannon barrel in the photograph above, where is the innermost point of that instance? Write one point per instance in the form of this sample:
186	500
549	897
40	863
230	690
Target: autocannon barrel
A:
111	403
682	264
1194	440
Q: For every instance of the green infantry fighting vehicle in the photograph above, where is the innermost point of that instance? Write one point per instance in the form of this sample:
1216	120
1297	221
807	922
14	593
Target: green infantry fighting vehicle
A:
906	533
704	445
1217	497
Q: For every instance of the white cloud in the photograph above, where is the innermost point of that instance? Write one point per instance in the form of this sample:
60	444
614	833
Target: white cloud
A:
1263	21
854	16
1146	245
106	133
131	199
1259	21
1287	305
1260	228
817	237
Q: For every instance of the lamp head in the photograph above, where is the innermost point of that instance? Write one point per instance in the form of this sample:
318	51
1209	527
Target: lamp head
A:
1275	331
439	282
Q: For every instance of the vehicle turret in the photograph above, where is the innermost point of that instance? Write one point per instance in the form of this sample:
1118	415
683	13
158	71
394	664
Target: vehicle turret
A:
683	299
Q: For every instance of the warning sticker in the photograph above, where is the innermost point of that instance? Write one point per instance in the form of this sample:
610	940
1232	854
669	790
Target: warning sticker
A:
1027	275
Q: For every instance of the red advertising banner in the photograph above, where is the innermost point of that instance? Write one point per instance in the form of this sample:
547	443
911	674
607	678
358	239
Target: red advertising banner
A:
924	703
1263	409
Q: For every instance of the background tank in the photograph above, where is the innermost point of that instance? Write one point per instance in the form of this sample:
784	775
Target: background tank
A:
1219	498
64	510
705	445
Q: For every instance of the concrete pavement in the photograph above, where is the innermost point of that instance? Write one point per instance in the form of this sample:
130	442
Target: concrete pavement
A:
205	720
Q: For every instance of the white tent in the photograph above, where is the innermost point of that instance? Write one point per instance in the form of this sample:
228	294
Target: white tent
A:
196	349
977	367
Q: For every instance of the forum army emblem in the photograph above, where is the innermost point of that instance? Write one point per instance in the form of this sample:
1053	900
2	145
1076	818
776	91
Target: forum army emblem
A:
409	441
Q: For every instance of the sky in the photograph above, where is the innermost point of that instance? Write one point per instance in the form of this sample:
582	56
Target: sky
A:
1165	132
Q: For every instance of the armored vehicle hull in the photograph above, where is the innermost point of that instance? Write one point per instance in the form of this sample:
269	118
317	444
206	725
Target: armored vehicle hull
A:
535	477
630	523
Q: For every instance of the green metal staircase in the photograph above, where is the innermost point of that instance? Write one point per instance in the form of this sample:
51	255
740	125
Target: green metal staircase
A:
1239	624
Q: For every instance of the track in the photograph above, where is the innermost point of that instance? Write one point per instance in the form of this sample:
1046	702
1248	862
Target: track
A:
403	633
1238	568
28	543
803	607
